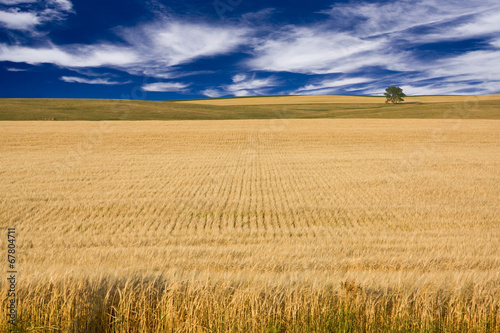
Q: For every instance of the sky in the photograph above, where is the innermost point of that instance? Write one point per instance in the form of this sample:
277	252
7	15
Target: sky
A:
164	50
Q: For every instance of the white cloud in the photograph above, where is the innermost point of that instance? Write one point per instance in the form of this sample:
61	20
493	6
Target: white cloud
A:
175	43
315	50
495	43
41	12
259	17
12	69
73	56
106	81
370	19
482	64
245	86
345	47
326	91
15	20
325	86
162	72
481	67
242	86
485	23
322	49
477	69
241	93
213	93
250	84
429	84
456	88
16	2
153	50
64	5
165	87
239	77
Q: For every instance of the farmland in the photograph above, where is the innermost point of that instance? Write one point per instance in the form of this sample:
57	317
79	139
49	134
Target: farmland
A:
287	107
336	99
255	225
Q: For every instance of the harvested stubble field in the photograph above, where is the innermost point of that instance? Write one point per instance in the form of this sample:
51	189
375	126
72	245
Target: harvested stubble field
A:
254	225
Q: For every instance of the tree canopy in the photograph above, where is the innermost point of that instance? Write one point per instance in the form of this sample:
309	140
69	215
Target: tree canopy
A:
394	95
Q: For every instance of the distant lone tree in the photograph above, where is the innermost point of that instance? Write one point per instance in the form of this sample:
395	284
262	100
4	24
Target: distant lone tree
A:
394	94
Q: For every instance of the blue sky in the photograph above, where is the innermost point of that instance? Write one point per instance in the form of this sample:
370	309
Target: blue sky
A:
161	50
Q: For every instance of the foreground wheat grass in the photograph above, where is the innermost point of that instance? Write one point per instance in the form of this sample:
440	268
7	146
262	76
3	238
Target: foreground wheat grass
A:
254	225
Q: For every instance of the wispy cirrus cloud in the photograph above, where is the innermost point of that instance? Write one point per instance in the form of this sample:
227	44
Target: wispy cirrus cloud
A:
372	19
483	64
65	5
151	50
14	69
70	56
16	20
386	37
212	92
16	2
475	25
27	19
165	45
479	69
242	86
238	78
330	86
247	86
437	89
483	24
105	81
314	50
166	87
495	43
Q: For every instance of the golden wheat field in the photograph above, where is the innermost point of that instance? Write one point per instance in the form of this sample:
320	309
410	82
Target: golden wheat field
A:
277	225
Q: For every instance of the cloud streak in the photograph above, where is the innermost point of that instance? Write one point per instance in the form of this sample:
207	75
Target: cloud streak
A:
105	81
165	45
242	86
373	19
314	50
16	2
70	56
330	86
166	87
151	50
15	18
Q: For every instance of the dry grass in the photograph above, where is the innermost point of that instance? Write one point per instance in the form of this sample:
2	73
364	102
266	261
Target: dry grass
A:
334	99
291	107
254	225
